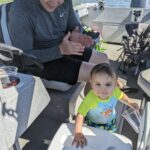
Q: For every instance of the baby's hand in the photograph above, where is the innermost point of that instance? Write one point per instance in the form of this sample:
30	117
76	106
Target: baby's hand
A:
134	106
79	140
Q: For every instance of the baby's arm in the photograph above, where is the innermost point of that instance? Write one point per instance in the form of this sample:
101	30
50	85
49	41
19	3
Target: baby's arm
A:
79	138
126	100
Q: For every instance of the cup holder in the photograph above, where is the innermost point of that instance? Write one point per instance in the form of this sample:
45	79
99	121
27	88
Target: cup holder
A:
9	81
8	76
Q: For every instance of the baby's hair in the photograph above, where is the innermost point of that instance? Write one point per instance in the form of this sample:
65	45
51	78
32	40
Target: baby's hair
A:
104	68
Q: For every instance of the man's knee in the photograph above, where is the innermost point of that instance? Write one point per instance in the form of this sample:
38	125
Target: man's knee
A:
98	57
105	57
84	72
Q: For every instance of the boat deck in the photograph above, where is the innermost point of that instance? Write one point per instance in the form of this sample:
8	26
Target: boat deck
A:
41	132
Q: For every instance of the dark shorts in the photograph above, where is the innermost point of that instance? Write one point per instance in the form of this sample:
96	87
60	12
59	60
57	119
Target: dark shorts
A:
65	69
110	126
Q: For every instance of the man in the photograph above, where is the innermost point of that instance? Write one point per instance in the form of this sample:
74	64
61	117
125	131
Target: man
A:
49	30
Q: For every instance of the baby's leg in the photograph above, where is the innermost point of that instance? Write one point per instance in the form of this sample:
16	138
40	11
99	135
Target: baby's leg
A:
111	126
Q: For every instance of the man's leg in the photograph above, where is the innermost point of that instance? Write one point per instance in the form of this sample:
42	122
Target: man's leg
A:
84	71
72	69
65	69
86	67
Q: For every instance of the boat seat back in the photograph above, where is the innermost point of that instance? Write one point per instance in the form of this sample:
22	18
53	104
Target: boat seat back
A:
6	38
4	32
96	139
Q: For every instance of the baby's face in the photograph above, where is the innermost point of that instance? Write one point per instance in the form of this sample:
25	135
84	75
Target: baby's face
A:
102	85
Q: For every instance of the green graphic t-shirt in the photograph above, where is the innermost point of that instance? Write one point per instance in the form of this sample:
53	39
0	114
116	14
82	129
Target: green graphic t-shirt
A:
98	110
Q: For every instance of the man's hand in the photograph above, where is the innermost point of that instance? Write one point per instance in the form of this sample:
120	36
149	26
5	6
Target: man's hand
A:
79	140
70	47
78	37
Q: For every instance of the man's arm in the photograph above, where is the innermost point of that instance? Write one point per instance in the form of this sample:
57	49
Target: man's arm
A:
73	21
22	30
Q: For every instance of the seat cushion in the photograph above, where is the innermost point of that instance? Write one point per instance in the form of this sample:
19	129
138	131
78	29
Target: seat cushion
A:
144	81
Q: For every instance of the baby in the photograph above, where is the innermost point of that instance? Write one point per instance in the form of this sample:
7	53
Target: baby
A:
98	107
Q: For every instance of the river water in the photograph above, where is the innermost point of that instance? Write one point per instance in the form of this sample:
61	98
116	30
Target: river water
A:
111	3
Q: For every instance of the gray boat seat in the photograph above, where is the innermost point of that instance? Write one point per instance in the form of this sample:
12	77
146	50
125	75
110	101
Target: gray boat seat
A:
97	139
144	81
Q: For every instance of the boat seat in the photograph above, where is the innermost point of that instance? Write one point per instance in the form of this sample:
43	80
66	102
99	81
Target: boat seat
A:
5	38
96	139
144	81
